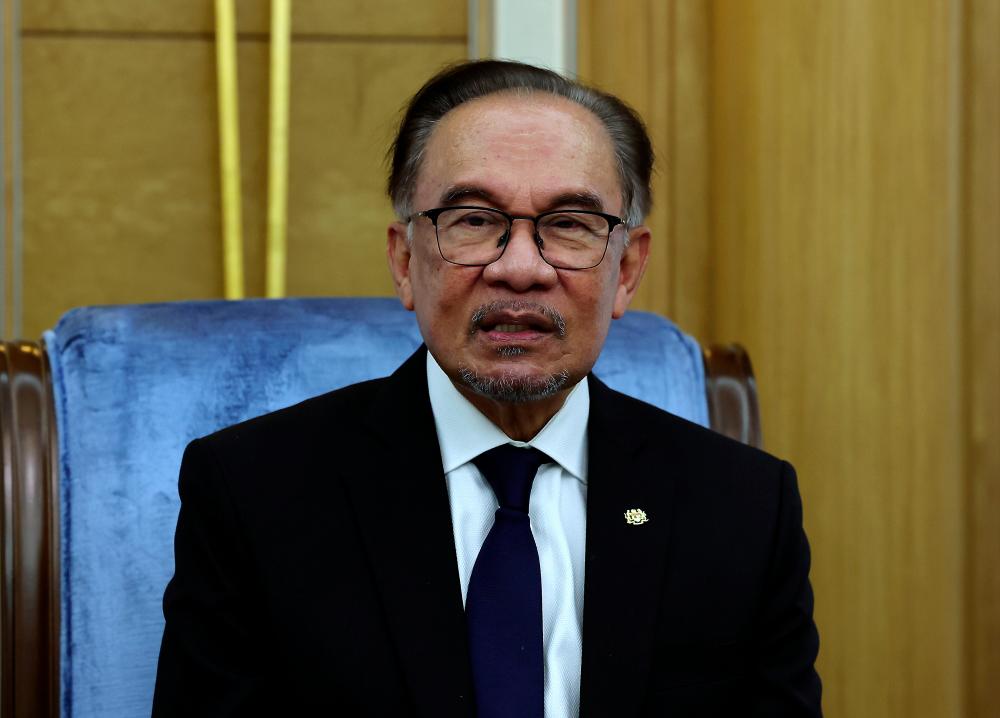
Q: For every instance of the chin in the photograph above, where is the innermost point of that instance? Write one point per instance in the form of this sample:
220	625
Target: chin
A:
514	387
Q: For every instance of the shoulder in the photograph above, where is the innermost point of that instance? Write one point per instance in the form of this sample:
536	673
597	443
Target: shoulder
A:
713	480
275	468
682	442
295	436
737	558
341	406
314	444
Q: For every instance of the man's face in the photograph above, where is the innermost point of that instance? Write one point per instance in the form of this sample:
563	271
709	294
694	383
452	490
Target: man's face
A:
518	322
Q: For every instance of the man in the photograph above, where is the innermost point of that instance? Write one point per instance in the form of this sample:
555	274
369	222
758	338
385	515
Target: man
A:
450	541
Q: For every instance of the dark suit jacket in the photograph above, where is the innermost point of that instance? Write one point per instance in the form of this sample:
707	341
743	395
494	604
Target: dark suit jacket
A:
316	570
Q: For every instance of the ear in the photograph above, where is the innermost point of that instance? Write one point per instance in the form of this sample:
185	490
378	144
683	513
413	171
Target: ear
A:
397	250
631	268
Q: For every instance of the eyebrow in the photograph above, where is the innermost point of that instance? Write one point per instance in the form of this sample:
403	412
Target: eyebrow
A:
586	200
464	193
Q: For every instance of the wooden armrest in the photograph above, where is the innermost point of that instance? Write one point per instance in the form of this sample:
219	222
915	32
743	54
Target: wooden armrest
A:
29	541
732	393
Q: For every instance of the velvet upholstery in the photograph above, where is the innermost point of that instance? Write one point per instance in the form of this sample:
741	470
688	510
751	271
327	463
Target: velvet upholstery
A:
134	384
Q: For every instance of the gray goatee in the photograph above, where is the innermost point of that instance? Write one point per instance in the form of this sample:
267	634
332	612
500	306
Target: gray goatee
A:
512	388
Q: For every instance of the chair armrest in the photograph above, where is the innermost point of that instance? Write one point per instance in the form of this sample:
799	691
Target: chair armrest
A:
732	393
29	541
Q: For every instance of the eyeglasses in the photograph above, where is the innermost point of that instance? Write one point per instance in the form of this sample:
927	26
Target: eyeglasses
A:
477	236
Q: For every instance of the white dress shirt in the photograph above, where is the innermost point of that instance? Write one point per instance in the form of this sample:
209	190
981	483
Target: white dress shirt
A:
557	511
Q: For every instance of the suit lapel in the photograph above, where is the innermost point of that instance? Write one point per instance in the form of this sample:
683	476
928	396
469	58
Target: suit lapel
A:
401	502
625	563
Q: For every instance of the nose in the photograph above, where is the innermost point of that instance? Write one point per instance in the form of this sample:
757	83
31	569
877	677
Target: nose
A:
521	266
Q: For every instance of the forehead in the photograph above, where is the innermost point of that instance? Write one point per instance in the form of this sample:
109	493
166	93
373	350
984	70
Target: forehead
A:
520	149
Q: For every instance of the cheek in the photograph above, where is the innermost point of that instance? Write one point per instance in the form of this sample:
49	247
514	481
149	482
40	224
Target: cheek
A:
428	277
443	295
595	298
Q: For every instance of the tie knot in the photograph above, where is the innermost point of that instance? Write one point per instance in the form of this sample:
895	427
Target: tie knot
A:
510	471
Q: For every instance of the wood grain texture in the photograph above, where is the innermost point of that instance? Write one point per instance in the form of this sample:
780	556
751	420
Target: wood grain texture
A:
374	18
121	169
837	260
654	55
982	350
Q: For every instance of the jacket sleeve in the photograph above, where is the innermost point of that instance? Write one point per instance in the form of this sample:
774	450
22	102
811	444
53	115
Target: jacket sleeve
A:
210	660
787	641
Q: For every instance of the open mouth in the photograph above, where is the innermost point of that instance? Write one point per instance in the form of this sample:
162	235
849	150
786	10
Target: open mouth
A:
520	321
523	326
520	331
511	328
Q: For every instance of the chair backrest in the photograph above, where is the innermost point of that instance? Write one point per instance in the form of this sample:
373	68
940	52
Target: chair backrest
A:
133	384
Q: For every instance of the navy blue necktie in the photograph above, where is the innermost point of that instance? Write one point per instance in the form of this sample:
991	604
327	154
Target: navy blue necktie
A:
503	606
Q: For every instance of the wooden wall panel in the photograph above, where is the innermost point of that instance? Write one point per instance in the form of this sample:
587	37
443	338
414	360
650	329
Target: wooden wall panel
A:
837	260
340	129
9	196
654	55
844	222
120	154
120	174
982	351
373	18
345	102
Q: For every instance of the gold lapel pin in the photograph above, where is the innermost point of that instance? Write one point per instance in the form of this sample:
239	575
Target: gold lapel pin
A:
635	517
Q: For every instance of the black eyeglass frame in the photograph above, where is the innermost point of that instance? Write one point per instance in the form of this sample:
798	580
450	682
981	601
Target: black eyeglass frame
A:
433	214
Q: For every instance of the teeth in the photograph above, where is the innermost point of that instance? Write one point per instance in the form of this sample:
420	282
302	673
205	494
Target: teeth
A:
510	327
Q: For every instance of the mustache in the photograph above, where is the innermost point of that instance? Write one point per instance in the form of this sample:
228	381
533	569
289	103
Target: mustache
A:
518	306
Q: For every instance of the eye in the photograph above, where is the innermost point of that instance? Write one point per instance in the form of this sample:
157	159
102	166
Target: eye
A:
470	220
573	223
564	222
477	219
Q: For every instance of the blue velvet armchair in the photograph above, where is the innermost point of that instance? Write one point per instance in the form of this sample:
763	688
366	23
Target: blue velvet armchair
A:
94	420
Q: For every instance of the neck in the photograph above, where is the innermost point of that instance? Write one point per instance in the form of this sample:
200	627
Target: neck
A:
520	421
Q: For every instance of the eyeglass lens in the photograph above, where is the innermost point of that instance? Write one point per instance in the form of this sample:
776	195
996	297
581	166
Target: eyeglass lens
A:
572	240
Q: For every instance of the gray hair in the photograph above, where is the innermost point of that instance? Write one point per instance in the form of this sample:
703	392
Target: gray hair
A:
466	81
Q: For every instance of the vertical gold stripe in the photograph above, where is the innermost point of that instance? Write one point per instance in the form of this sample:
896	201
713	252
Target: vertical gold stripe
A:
277	161
229	147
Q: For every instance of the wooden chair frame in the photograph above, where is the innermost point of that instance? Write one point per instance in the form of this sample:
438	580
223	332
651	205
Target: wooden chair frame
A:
29	519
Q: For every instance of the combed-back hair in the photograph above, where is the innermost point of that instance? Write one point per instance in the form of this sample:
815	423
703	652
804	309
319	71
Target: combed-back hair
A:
466	81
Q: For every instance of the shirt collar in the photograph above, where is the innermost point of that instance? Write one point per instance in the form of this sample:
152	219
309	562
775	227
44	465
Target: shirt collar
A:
464	432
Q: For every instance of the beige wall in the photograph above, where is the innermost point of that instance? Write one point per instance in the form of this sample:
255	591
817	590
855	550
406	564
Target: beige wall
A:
829	193
121	152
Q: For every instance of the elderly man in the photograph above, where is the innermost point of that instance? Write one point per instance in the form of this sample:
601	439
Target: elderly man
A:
451	541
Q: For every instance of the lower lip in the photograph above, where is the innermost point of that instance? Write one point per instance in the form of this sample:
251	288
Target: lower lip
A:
528	335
